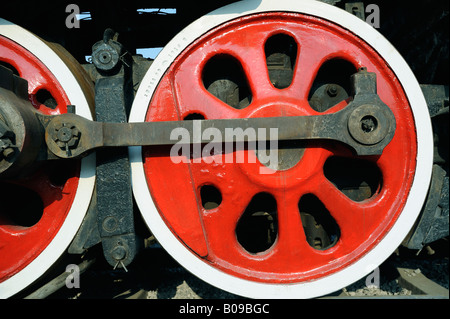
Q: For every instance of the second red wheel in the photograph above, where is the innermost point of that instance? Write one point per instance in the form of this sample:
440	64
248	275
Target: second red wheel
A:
321	217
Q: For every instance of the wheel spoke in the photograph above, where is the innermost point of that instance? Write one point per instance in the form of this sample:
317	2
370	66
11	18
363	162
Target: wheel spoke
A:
251	55
313	53
291	237
255	68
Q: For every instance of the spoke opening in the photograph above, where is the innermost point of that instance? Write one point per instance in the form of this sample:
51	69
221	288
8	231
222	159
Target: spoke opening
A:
224	77
358	179
21	206
321	230
257	228
45	97
281	56
331	85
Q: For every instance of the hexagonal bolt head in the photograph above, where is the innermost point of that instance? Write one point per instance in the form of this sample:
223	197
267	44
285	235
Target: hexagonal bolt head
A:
332	90
67	135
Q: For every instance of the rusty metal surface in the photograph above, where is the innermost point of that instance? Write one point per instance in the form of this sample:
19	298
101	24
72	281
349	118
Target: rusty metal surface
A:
22	135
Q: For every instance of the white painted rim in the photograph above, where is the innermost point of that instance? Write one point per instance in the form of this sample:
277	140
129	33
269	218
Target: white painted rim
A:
373	258
85	188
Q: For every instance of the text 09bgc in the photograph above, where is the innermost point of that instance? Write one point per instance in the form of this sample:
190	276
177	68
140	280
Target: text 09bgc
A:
246	308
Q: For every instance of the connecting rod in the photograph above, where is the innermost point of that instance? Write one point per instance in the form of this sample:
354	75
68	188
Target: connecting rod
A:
366	125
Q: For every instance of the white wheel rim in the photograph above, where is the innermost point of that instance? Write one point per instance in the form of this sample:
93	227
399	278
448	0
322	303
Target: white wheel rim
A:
75	216
373	258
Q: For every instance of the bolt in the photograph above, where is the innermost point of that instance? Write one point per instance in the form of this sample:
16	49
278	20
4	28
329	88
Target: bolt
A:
119	253
104	57
66	136
332	90
110	224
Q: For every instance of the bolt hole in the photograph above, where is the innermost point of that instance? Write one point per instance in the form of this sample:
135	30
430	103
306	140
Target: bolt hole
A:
369	123
211	197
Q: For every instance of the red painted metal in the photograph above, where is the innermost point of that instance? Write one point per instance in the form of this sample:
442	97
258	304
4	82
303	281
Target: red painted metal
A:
210	234
20	245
